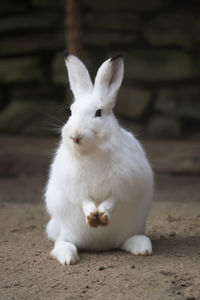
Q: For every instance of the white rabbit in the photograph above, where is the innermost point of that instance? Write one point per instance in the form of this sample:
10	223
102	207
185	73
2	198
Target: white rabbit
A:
100	187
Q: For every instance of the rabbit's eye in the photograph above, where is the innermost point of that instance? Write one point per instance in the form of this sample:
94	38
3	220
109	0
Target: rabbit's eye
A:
98	113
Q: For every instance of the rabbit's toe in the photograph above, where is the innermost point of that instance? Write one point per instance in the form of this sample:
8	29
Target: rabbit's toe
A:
93	220
103	219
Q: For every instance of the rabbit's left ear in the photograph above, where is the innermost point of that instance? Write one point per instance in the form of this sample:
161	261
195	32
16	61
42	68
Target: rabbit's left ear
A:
109	78
79	77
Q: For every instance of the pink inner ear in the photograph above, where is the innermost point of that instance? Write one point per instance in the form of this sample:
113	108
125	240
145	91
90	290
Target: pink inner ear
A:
114	70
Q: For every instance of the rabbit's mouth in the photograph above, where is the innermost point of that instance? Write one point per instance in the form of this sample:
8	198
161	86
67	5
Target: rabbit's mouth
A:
83	144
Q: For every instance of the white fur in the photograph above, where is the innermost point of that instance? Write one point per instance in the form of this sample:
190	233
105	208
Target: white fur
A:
138	245
106	172
88	207
65	252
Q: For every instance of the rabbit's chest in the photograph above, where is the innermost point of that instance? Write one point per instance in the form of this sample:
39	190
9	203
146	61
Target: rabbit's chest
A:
95	182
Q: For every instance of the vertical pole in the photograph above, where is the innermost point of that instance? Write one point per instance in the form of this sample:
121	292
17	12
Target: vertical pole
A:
73	25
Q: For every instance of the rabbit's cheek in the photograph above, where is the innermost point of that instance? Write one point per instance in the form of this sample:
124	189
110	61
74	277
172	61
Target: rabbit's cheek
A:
94	132
64	132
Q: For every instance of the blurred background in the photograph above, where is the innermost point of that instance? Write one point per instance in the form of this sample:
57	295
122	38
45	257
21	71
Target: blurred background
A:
160	42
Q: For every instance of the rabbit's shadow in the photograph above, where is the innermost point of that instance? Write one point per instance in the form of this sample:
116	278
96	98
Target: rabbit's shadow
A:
162	247
177	246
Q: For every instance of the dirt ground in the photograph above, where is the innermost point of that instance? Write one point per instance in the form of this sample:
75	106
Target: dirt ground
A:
28	272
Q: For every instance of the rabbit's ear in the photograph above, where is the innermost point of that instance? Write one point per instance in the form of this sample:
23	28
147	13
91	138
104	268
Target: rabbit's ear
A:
79	77
109	77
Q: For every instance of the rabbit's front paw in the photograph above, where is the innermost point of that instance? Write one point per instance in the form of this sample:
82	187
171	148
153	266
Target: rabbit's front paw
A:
96	219
65	253
93	220
97	216
103	219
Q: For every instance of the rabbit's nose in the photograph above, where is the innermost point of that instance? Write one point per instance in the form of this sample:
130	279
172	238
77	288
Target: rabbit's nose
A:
76	139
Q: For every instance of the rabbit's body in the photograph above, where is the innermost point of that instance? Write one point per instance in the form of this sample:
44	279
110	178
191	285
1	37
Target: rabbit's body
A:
100	188
125	174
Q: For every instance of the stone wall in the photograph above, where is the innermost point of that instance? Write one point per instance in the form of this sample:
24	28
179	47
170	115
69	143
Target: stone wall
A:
160	41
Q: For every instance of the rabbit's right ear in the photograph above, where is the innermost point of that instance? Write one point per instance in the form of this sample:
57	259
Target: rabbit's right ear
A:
109	78
79	77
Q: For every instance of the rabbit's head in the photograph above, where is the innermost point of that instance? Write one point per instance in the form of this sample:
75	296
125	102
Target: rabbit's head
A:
92	122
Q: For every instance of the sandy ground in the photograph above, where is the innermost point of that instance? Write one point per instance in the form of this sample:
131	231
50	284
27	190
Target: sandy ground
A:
28	272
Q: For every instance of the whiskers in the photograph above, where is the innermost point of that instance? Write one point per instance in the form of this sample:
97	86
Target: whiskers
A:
54	124
64	107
